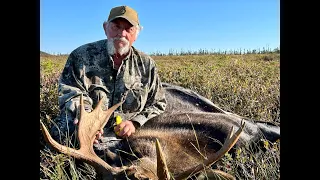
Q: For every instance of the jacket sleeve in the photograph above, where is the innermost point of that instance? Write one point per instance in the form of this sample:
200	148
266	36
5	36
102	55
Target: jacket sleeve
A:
70	87
156	101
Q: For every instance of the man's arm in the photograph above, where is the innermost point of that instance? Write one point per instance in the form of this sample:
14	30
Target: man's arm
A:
156	101
155	105
70	88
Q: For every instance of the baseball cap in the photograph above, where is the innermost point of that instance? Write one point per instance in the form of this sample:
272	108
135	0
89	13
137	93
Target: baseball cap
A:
125	12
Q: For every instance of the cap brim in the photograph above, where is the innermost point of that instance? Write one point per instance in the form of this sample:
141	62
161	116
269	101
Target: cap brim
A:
125	17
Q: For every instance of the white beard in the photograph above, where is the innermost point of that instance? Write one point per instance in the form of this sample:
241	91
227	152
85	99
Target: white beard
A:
121	51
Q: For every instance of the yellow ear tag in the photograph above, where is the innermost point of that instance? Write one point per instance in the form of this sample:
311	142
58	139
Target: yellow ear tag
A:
118	121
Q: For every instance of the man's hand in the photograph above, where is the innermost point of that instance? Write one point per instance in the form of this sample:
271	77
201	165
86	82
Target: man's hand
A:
98	135
126	128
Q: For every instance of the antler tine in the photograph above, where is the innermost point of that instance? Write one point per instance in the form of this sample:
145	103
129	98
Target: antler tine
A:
229	143
58	147
89	124
162	168
98	163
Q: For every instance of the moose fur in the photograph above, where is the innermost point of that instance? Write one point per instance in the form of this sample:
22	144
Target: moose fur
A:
191	128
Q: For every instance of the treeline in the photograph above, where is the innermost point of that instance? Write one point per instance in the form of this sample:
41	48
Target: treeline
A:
181	52
213	51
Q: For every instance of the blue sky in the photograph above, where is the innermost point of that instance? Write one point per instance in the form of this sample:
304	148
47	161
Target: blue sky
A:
176	24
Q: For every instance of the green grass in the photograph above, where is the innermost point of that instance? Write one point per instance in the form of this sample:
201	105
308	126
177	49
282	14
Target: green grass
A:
245	84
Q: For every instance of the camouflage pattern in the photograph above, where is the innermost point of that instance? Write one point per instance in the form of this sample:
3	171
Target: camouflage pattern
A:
90	71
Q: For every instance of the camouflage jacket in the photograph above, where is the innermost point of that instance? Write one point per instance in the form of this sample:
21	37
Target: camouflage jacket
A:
90	71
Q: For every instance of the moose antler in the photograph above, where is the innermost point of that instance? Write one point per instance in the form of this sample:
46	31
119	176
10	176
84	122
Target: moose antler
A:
229	143
89	124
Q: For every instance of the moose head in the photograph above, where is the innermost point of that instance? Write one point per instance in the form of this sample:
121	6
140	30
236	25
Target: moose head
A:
91	122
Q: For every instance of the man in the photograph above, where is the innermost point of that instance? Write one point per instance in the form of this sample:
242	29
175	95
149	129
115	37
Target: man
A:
114	69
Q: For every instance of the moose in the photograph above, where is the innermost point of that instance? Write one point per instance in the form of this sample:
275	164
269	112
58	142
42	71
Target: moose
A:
191	135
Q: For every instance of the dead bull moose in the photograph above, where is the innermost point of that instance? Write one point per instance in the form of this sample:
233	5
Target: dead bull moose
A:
188	132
